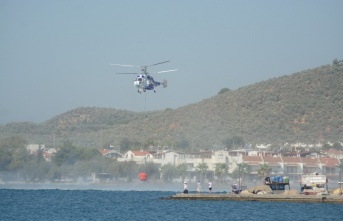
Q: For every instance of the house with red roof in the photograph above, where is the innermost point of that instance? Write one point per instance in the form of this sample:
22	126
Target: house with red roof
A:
137	156
329	166
46	155
292	167
338	154
113	154
310	165
275	162
253	162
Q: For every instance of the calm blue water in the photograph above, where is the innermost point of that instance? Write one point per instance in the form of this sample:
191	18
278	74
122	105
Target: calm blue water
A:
54	204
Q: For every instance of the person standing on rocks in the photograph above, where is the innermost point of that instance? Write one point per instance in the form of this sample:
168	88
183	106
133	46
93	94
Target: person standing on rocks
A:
185	188
198	187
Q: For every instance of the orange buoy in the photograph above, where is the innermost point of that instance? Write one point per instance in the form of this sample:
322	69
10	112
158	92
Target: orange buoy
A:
143	176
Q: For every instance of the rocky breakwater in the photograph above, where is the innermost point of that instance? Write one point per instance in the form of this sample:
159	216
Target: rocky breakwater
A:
263	194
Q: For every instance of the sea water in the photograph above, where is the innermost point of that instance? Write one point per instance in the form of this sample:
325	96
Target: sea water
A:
64	204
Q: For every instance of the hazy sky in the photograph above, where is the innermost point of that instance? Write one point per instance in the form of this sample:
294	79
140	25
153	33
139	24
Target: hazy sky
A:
55	55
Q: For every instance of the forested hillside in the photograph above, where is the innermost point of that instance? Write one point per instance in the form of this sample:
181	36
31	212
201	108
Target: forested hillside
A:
303	107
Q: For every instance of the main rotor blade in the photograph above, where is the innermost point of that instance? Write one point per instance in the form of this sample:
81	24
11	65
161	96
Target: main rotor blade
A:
167	71
157	63
124	65
127	73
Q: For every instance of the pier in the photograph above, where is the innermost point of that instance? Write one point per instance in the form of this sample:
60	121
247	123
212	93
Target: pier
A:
262	197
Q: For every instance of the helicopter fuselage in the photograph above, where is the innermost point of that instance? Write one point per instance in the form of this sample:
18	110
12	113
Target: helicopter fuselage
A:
145	82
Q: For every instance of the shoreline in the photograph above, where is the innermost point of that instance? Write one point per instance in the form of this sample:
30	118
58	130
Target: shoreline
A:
261	198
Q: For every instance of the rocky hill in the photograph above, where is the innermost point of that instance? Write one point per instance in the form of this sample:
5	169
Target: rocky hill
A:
301	107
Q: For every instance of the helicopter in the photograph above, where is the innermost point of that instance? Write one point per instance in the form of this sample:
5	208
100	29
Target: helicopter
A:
144	81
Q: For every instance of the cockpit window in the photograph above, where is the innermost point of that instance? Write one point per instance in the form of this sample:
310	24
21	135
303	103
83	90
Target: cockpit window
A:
140	77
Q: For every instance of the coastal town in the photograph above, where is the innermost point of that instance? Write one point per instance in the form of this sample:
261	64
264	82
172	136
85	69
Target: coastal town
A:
300	160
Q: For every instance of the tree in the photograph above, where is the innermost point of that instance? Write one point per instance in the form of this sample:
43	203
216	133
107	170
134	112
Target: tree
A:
183	144
150	142
97	164
127	169
19	157
224	90
202	168
36	170
335	62
263	170
13	153
127	144
89	153
326	146
340	167
221	170
70	154
228	143
124	145
182	170
40	156
67	154
337	146
241	171
168	172
233	142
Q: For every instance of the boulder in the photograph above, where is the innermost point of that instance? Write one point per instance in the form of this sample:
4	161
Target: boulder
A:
319	190
309	192
246	192
262	192
338	191
264	188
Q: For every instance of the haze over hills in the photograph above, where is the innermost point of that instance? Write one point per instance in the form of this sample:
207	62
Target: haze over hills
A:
302	107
